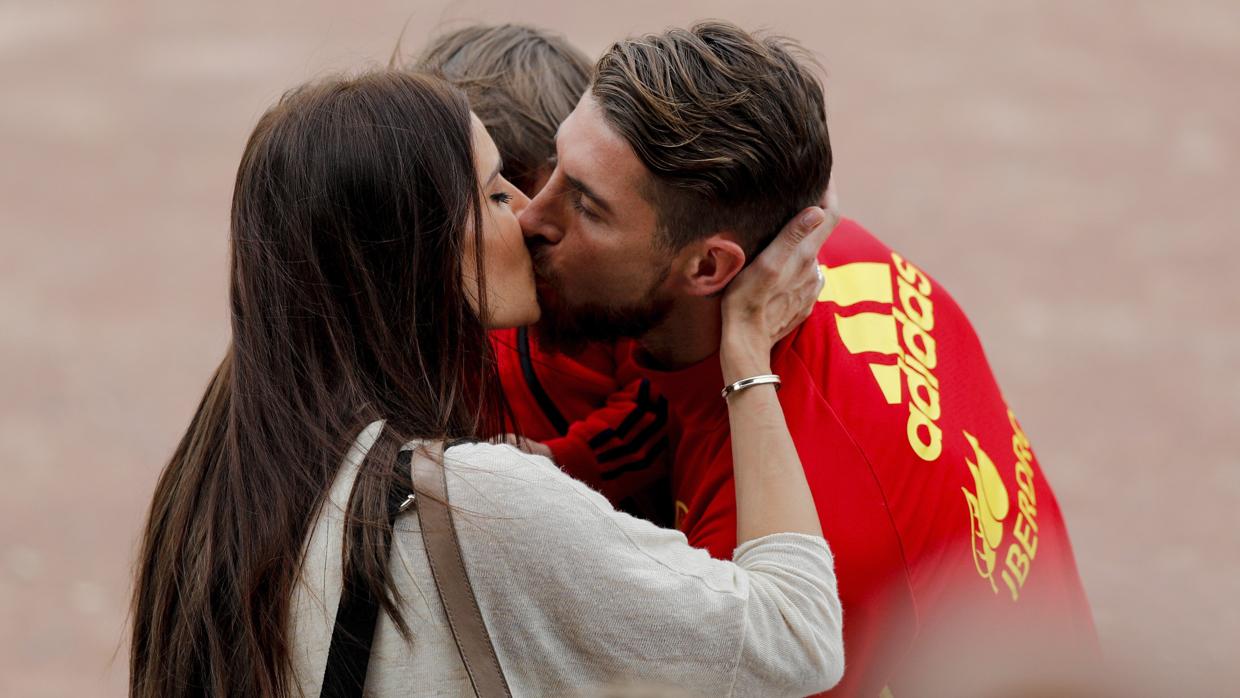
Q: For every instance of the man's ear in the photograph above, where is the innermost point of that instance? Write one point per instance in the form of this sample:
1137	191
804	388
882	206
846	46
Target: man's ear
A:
710	264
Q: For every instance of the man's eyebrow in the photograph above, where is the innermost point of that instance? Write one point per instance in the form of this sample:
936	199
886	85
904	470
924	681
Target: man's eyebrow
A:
587	191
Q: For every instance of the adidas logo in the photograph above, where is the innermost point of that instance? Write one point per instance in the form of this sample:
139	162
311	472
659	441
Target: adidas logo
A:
898	344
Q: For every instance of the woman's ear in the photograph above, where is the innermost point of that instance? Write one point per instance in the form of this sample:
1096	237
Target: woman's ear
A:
711	263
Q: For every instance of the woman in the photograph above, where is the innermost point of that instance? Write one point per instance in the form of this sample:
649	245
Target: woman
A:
373	245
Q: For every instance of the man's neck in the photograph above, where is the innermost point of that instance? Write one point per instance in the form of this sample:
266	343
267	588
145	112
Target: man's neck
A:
689	334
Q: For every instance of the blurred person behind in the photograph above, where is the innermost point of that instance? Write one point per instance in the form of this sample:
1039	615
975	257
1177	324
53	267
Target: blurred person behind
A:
521	81
373	243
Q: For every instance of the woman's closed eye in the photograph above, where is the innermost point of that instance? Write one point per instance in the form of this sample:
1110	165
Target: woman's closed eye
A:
502	197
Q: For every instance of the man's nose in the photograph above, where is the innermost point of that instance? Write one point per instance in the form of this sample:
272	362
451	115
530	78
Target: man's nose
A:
538	219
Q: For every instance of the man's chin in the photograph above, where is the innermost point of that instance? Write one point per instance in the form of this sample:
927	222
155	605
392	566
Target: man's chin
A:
559	329
570	332
554	336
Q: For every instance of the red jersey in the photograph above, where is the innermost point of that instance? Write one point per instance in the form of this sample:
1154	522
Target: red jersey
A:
596	413
943	526
927	489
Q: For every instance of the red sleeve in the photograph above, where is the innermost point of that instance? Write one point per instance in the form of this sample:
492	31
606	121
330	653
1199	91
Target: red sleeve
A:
600	418
852	507
706	509
620	449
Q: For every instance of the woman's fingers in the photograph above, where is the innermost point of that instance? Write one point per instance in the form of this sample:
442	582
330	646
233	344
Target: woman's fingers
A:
780	289
800	228
804	289
534	448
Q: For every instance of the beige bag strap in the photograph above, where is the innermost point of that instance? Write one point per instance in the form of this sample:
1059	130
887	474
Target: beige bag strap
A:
443	549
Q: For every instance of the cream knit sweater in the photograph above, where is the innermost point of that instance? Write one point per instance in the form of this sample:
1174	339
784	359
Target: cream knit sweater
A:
578	596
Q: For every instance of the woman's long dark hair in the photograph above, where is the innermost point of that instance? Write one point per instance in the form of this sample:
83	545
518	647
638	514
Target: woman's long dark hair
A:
352	205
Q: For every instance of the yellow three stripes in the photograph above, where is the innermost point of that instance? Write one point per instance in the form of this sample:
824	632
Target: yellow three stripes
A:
854	283
860	282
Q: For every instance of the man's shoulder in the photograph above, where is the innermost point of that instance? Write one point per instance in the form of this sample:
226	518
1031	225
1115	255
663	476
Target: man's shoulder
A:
869	285
852	242
883	333
859	282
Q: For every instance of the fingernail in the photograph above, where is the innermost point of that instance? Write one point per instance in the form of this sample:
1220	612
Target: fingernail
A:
812	218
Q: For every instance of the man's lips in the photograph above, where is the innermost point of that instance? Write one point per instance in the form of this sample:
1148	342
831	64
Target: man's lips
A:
546	285
542	278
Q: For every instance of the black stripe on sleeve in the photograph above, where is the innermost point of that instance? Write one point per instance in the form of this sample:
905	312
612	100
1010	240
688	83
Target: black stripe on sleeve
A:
639	464
630	420
544	401
628	449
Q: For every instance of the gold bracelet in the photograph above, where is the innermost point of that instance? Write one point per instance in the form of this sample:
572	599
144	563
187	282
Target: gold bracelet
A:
751	382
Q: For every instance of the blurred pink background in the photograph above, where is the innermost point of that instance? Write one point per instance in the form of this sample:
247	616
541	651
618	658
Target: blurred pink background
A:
1067	170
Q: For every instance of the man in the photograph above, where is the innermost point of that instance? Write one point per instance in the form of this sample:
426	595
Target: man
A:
688	152
591	411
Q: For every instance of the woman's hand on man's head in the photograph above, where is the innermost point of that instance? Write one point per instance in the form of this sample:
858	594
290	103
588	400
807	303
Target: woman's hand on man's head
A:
777	292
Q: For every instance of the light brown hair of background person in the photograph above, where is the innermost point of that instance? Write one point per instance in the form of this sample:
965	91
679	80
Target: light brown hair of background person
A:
731	124
349	235
521	82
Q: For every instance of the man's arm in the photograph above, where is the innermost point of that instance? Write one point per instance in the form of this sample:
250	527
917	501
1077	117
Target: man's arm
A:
620	449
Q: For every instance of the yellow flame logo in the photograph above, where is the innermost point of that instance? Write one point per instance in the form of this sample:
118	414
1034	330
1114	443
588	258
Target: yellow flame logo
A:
988	507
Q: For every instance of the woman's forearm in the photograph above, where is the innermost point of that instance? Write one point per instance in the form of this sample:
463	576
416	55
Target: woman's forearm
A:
763	304
772	494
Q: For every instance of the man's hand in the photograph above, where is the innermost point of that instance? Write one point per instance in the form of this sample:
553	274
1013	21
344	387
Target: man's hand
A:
776	293
534	448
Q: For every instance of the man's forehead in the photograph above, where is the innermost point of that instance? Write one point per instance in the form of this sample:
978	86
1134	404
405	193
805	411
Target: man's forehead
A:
589	149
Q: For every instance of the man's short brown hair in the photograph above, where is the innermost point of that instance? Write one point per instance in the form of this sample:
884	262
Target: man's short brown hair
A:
731	124
521	82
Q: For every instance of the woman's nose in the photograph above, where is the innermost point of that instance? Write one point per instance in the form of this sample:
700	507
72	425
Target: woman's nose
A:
520	202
